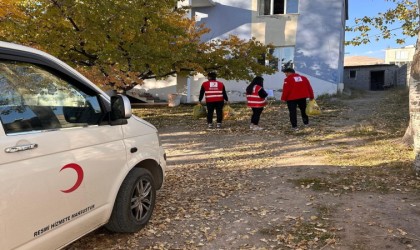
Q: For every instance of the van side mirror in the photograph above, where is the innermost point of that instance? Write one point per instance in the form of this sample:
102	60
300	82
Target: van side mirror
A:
120	108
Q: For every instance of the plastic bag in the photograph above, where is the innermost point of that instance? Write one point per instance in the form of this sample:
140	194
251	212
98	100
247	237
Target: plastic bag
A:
228	113
199	111
312	109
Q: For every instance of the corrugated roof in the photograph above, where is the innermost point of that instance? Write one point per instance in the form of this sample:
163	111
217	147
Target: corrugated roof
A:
362	61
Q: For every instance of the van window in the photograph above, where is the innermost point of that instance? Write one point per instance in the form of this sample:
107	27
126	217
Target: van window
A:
33	98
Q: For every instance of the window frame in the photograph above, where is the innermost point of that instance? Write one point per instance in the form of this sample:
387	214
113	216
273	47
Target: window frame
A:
401	55
279	64
284	7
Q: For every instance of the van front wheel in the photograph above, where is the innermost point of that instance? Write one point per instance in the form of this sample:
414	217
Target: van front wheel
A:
134	204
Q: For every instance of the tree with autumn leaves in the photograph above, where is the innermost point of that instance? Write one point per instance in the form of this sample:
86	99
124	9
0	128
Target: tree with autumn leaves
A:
119	43
404	12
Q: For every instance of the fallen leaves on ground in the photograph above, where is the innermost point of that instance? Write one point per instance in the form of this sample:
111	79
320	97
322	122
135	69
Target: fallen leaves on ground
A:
235	188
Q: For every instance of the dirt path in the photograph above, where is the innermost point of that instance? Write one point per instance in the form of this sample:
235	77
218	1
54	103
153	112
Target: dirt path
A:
273	189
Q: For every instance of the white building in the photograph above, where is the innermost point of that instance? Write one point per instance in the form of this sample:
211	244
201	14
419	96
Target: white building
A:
400	56
307	33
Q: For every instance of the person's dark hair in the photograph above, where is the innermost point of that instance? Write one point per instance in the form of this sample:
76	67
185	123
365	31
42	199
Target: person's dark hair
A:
212	75
288	70
258	80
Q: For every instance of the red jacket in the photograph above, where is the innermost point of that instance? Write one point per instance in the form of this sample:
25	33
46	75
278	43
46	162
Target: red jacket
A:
213	91
296	87
254	100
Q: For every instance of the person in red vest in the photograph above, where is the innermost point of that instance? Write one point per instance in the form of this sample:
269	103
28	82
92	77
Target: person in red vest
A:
296	89
255	97
216	96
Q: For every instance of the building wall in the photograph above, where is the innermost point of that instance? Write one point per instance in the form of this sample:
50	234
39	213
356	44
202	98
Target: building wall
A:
400	56
241	18
317	33
403	75
160	89
319	39
279	30
225	18
362	80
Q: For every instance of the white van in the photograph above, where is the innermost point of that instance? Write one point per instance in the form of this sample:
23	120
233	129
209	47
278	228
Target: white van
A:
71	158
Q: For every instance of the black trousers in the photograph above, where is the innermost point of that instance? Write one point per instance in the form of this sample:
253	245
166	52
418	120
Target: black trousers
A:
292	106
256	113
218	106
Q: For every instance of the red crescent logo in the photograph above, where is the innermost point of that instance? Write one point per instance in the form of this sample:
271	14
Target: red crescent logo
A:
79	180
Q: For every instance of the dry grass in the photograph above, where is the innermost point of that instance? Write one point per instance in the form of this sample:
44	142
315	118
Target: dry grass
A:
283	186
370	147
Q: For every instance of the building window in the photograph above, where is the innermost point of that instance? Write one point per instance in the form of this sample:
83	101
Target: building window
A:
284	58
275	7
401	55
352	73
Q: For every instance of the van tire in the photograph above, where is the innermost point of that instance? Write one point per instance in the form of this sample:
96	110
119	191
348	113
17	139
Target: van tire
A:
138	191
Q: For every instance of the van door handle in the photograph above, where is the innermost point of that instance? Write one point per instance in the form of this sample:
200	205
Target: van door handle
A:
21	148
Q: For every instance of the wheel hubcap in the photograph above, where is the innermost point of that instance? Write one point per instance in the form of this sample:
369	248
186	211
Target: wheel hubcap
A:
141	199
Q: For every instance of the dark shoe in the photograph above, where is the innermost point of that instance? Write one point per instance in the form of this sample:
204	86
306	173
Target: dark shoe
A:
219	125
210	126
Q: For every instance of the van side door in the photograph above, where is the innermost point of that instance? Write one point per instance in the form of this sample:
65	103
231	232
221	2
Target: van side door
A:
59	158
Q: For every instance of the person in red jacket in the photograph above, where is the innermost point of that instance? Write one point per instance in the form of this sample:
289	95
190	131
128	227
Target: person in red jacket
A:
215	93
255	96
296	89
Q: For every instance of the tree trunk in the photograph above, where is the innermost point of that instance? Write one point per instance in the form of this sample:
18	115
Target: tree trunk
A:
408	138
414	105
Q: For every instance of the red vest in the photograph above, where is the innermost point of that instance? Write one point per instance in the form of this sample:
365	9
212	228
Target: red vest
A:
254	100
213	91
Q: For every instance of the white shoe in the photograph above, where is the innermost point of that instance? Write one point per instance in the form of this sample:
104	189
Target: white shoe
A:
257	128
251	126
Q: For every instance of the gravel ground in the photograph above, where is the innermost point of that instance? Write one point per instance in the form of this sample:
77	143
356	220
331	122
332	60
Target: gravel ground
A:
276	189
